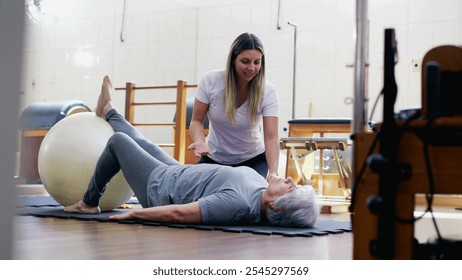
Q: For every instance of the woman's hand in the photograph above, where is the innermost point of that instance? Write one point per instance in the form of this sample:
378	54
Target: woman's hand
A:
271	175
200	149
121	217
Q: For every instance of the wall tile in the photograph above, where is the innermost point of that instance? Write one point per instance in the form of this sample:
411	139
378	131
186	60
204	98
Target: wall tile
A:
170	40
447	10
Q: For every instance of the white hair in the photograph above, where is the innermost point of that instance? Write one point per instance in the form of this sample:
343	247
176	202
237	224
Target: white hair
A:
298	208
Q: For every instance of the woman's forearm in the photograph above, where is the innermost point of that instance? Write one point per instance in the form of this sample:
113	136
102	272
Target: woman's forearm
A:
196	131
272	155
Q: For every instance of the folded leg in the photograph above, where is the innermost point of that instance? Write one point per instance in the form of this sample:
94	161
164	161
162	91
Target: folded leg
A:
122	153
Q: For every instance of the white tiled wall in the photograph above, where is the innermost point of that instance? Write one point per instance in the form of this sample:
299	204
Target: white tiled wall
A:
78	41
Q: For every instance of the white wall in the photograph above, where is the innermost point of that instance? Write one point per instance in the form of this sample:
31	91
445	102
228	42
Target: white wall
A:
170	40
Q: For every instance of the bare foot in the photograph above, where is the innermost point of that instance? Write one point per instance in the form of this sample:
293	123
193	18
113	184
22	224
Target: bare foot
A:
81	207
104	99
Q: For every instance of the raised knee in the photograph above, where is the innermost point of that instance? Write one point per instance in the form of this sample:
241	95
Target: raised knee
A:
117	138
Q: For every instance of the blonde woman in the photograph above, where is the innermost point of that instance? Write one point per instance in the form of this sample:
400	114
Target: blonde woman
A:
243	110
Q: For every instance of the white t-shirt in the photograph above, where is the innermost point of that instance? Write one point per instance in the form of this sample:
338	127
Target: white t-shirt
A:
233	144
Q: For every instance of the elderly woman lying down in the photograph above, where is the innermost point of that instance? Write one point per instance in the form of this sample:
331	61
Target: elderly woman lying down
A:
204	193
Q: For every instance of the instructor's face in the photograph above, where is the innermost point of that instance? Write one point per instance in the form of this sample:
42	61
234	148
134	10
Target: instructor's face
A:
247	64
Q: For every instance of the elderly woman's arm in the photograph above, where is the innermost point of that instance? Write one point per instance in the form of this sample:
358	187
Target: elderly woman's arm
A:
189	213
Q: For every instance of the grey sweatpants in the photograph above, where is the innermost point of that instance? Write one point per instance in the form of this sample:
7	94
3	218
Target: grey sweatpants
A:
129	151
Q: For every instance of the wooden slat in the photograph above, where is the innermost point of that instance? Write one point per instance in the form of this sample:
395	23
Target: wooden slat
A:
169	145
154	124
153	103
34	133
314	143
147	87
180	128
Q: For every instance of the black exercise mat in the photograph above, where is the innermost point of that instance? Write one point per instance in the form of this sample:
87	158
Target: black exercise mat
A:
46	200
58	212
35	201
322	227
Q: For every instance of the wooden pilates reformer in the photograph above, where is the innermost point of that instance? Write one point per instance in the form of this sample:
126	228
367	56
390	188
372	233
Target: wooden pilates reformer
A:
181	138
411	156
332	198
312	144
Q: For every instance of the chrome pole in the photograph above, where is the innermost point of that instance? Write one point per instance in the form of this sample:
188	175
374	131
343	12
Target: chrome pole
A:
359	121
294	25
360	96
279	15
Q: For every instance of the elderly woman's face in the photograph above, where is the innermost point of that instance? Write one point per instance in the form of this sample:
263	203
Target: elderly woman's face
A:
280	186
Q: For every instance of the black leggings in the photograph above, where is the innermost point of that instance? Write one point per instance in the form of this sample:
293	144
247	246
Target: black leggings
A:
257	163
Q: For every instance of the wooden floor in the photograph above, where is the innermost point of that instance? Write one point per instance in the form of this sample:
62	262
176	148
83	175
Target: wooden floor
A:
70	239
56	239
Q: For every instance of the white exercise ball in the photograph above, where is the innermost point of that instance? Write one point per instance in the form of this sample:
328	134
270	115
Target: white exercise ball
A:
68	156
